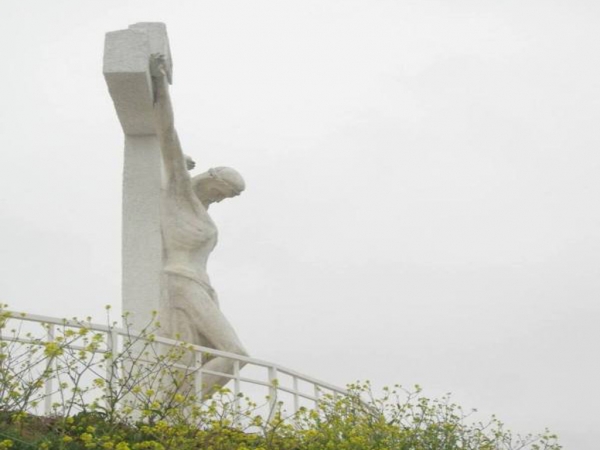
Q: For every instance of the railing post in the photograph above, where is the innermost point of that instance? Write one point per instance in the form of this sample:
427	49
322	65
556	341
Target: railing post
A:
112	345
296	396
272	391
317	393
49	380
236	391
198	376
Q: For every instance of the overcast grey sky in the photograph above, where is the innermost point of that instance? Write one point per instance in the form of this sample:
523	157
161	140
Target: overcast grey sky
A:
422	201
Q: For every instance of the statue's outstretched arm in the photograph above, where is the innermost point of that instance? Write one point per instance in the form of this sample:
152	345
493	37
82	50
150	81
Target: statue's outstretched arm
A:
173	157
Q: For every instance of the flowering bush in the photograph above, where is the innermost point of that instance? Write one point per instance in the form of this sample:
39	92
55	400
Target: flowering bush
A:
141	396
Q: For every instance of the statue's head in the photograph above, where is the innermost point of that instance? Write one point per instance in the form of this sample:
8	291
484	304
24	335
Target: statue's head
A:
217	184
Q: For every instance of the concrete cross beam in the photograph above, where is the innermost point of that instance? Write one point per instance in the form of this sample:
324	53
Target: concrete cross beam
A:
126	70
126	57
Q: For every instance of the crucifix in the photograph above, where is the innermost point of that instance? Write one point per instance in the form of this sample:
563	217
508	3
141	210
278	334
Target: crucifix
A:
168	234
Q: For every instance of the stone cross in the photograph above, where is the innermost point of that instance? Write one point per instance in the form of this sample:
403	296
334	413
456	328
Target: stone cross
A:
126	70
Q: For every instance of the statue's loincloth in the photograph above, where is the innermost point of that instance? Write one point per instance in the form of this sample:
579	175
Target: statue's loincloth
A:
188	305
191	275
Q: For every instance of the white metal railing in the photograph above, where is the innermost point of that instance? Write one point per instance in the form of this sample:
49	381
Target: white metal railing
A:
300	387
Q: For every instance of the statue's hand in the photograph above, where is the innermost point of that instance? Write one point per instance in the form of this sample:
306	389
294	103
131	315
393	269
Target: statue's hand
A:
189	162
158	65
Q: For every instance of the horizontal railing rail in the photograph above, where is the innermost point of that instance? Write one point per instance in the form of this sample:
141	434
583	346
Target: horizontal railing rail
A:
117	336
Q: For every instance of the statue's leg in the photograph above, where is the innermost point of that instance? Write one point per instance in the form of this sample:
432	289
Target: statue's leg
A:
221	336
198	312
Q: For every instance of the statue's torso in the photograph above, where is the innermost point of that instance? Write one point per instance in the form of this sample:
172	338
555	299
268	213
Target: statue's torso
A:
189	236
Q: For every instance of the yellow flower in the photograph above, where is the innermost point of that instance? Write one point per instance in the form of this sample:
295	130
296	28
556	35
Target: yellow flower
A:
52	349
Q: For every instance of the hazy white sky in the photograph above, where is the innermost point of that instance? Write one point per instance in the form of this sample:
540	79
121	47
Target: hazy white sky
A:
422	201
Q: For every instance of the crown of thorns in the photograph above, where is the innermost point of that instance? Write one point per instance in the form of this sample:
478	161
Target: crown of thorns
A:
215	173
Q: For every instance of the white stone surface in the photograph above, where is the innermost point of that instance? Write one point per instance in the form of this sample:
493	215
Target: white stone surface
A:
126	55
141	239
126	70
168	235
190	307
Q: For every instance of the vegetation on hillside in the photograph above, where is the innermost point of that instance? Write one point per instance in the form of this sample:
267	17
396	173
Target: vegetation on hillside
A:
139	399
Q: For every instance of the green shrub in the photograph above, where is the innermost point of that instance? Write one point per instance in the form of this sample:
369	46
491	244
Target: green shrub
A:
137	397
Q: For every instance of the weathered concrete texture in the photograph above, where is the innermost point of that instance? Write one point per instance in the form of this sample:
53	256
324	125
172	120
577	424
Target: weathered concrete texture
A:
158	42
168	235
126	70
126	56
141	241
